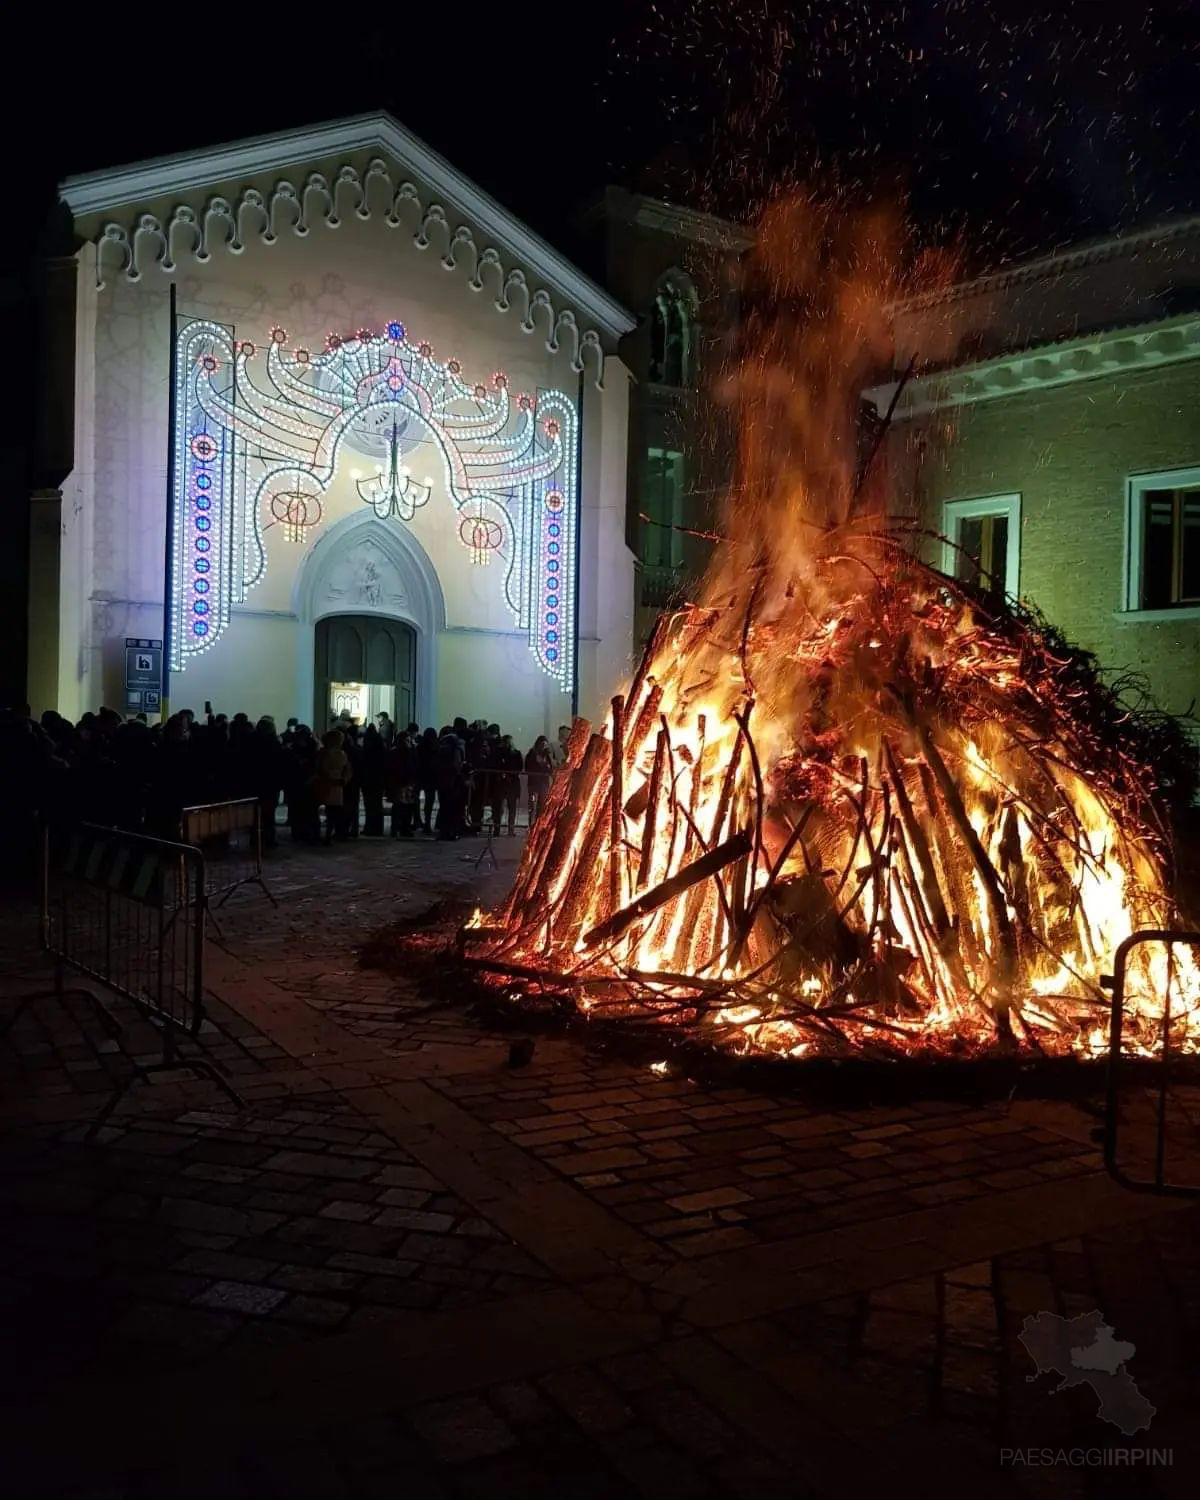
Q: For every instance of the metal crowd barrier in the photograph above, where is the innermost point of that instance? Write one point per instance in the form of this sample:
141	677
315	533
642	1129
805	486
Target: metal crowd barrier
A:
128	913
1157	1179
229	835
489	790
489	796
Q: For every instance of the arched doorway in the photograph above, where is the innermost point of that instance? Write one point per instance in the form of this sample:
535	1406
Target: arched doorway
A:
366	569
365	665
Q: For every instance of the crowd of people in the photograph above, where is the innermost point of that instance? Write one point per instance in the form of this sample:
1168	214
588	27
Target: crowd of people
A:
353	780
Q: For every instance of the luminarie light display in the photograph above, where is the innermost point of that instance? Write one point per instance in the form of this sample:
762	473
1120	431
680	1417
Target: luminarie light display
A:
259	435
846	803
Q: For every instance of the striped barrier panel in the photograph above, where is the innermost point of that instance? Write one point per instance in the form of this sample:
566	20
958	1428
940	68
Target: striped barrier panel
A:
129	912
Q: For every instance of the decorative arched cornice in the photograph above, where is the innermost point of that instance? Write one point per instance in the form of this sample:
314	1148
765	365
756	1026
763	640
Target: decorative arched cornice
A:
426	606
134	241
1122	350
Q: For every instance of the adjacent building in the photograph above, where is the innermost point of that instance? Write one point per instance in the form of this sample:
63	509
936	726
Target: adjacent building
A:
675	268
1053	440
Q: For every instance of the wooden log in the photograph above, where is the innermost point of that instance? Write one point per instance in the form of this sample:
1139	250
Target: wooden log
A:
922	934
542	836
952	860
654	645
704	868
698	768
616	801
931	890
672	785
637	732
726	793
585	888
585	783
650	826
1006	939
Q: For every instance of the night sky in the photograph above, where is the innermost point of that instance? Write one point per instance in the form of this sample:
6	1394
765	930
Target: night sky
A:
1017	123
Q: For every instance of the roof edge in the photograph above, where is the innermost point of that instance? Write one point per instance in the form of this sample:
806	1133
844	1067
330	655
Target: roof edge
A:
111	188
1054	263
1136	347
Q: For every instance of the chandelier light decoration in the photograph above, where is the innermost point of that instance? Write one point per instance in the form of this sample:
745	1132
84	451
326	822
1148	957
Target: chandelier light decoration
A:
847	805
259	434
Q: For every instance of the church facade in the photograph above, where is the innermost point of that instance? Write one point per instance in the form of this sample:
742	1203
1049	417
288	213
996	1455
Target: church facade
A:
346	436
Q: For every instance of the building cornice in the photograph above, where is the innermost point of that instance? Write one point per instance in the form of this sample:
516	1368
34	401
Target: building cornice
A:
1046	367
690	224
1055	263
674	219
228	219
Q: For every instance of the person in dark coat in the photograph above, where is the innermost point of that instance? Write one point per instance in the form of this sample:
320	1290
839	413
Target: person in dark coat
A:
479	746
372	769
401	776
506	783
451	785
348	827
539	768
264	775
427	776
300	786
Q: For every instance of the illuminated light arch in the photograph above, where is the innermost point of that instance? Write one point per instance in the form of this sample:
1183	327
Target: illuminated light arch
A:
259	432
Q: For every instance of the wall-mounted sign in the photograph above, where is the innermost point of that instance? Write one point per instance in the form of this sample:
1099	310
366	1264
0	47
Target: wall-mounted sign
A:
143	676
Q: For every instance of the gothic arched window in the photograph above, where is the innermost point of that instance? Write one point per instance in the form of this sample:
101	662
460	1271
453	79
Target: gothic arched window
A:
673	331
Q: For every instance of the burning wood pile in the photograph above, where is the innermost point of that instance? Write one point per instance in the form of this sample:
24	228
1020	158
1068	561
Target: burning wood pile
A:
847	804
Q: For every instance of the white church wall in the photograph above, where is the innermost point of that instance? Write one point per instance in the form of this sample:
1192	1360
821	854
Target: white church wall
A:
251	670
606	585
358	275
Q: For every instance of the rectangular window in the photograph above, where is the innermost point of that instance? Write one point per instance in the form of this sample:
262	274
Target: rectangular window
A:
1164	541
983	542
662	503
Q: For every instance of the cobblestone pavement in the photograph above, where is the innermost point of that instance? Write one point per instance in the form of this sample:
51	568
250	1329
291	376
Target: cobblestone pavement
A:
402	1268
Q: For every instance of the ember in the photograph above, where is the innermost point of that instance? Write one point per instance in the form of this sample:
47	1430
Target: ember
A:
846	803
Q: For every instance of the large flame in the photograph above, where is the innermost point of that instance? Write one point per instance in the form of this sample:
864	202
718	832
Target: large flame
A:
844	801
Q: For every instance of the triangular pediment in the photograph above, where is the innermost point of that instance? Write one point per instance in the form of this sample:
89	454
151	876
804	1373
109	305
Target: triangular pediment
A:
156	215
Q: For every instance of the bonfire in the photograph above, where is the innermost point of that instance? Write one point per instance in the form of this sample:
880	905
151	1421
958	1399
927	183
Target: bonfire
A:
847	803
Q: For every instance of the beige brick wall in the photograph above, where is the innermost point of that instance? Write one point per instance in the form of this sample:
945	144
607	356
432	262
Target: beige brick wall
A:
1068	453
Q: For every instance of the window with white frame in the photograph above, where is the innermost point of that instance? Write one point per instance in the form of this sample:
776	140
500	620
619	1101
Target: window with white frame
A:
983	542
1163	541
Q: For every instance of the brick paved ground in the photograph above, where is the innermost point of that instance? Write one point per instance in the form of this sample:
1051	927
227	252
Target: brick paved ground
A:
403	1269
